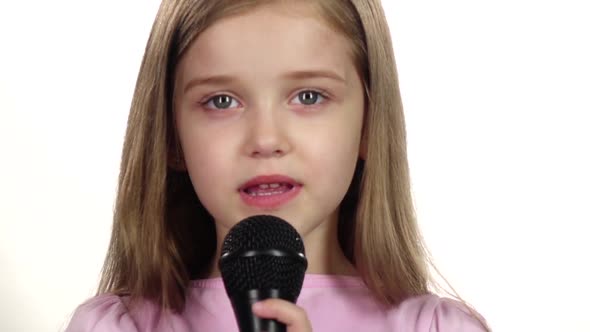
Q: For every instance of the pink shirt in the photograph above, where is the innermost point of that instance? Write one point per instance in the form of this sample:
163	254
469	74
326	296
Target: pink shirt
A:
332	303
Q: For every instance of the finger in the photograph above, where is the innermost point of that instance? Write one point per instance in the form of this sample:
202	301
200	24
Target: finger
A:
292	316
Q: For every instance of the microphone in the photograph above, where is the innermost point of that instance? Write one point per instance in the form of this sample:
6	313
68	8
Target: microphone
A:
261	257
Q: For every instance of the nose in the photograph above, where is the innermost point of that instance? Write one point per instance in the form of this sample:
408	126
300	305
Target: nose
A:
267	137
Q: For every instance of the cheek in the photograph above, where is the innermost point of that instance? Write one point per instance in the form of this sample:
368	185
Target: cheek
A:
207	158
335	154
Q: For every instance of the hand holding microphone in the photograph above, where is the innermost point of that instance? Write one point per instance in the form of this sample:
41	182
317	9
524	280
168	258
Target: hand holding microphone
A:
263	259
291	315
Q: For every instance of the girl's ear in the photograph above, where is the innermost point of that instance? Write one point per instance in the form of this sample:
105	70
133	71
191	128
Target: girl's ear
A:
363	147
176	155
176	160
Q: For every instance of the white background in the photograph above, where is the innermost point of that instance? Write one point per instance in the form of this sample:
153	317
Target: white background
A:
497	101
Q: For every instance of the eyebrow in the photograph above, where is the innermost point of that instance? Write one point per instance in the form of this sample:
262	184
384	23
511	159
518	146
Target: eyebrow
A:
294	75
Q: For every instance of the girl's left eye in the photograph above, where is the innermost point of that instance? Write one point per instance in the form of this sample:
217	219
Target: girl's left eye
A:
309	97
221	102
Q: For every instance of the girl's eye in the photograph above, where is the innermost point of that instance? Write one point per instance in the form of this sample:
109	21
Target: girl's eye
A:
309	97
221	102
225	102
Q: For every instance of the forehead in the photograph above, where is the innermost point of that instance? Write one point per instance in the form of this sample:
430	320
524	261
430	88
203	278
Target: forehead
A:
270	38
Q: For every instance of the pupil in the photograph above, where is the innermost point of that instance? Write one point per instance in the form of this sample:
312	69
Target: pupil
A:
222	101
308	97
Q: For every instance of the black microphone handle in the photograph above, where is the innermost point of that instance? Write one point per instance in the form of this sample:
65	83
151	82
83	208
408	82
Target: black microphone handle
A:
247	320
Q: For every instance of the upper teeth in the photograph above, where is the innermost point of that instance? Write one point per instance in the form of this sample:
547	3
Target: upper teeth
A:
271	185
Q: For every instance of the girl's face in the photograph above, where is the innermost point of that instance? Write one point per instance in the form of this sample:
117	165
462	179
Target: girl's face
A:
269	110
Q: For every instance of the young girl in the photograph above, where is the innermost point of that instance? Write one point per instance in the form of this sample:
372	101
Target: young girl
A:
290	108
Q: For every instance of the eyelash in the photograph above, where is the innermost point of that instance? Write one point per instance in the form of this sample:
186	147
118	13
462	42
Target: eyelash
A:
321	94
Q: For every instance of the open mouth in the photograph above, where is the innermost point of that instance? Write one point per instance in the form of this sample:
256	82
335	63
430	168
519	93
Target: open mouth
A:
269	192
268	189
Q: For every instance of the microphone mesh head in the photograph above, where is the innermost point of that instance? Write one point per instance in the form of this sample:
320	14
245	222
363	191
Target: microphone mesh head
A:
249	258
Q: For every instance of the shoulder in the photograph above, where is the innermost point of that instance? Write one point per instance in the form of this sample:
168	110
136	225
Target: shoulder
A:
436	314
102	313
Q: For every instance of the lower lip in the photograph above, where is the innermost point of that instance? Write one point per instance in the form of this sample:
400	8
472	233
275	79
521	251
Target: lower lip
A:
272	201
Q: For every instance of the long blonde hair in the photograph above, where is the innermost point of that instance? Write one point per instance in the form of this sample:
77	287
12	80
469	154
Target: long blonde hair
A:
163	237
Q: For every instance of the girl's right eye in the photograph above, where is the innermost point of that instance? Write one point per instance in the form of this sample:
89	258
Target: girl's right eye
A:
221	102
